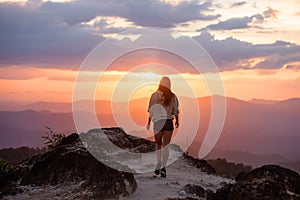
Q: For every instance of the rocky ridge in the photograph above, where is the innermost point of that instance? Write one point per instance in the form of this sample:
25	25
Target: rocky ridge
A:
70	164
70	172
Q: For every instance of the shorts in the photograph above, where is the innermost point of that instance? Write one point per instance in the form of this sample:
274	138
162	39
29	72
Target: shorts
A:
163	125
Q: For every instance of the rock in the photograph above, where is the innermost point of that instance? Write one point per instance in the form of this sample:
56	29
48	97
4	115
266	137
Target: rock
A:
175	183
223	193
273	173
182	193
186	198
116	148
70	162
9	175
72	139
125	141
269	182
194	190
209	194
201	164
223	183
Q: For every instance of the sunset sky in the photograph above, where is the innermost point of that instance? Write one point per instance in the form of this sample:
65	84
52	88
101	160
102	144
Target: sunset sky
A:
255	45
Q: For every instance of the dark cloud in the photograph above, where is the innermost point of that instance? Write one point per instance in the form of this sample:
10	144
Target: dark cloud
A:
229	53
51	33
31	36
243	22
238	4
270	13
150	13
235	23
294	66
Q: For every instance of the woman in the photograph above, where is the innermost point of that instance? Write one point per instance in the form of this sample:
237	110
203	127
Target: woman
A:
163	106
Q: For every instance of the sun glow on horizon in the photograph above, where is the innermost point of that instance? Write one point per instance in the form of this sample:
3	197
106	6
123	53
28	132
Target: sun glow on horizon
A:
37	84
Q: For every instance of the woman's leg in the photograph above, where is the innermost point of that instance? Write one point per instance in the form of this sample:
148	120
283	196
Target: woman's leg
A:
158	140
167	135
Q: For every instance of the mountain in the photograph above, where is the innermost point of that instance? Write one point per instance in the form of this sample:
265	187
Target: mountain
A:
25	128
70	171
258	129
262	101
15	156
50	106
246	158
104	107
291	106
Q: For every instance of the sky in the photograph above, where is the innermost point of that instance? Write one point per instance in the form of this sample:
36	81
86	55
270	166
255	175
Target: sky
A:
255	45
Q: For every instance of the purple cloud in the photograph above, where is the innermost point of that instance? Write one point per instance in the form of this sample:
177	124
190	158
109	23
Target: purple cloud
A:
238	4
31	36
150	13
228	53
242	22
50	34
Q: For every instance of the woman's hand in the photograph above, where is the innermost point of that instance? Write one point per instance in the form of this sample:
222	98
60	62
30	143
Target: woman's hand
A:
176	121
148	126
176	124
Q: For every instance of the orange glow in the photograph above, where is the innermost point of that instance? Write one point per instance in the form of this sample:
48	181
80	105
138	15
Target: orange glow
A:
250	63
34	84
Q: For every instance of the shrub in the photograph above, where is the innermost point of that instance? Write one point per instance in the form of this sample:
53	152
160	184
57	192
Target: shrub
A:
52	139
15	156
8	173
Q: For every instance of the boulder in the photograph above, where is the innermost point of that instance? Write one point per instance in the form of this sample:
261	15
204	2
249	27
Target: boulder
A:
270	182
273	173
185	198
194	190
70	162
201	164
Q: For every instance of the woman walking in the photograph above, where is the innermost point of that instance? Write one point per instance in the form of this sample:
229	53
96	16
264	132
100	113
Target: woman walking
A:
163	107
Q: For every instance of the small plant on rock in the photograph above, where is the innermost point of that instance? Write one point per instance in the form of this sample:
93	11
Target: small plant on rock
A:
52	139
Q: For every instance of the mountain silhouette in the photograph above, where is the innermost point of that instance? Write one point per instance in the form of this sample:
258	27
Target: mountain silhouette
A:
257	129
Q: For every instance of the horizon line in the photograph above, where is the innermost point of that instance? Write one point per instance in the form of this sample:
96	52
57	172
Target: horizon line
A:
135	99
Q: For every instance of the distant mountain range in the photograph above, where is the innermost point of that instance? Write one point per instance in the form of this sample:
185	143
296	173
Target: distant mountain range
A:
256	127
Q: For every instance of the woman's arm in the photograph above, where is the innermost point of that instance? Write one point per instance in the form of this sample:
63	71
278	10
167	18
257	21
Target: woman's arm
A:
176	121
149	122
176	111
149	111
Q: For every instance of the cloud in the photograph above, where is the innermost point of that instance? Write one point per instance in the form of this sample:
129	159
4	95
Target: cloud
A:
31	36
234	23
150	13
270	13
243	22
238	4
51	33
230	53
108	25
295	66
27	73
